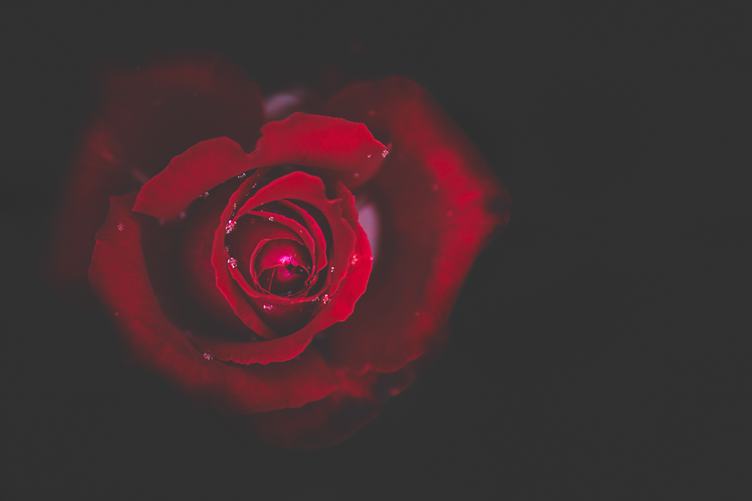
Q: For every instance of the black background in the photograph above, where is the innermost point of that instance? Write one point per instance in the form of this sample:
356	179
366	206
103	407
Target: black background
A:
599	343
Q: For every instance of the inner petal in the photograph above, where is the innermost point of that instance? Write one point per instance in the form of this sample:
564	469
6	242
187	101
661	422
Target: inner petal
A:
282	267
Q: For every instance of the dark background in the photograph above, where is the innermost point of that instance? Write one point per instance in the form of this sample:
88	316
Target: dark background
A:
599	347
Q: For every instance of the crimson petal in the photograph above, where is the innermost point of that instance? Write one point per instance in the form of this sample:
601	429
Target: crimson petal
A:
197	170
438	202
335	418
180	102
118	273
345	148
349	240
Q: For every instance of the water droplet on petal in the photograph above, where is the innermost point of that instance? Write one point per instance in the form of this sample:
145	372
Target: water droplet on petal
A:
354	259
120	226
232	263
271	219
384	153
205	194
268	307
242	175
331	269
325	299
207	356
369	155
230	226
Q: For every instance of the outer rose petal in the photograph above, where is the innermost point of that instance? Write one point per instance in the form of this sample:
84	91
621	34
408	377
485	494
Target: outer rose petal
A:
346	148
200	168
438	204
335	418
314	141
118	273
318	424
148	116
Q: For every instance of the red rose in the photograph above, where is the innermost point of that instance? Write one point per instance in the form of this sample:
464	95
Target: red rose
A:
295	270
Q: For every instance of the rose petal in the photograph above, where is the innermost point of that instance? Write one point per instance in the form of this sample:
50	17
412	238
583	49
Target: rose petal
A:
319	424
298	187
228	280
146	117
249	234
344	148
221	264
348	240
319	256
330	421
197	170
438	204
118	274
178	259
302	139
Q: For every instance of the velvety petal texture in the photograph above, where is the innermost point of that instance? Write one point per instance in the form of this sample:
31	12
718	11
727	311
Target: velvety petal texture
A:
438	202
231	252
148	115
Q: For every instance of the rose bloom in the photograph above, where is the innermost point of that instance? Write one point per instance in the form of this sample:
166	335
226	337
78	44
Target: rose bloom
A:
293	258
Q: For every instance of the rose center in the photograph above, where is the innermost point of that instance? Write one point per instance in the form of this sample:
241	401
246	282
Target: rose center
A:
282	267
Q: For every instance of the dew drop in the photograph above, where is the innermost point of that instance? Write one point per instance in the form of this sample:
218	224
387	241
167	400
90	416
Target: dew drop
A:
205	194
230	226
325	299
271	219
242	175
232	262
369	155
384	153
268	307
120	226
331	269
354	259
207	356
